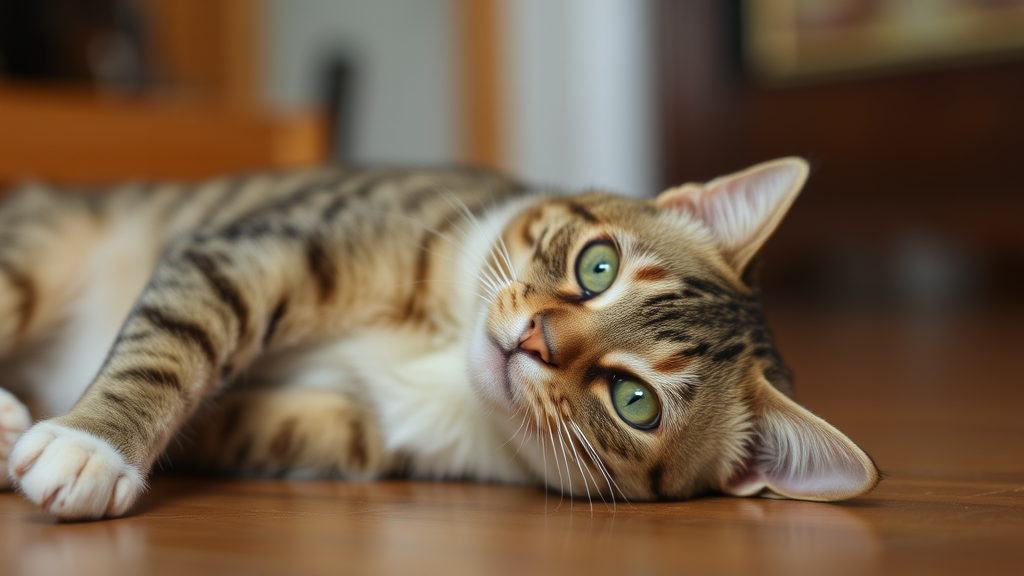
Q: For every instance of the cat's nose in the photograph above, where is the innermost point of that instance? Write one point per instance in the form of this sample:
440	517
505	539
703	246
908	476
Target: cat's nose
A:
533	342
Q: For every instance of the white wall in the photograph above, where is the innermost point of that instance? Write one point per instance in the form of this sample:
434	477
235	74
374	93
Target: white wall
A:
578	83
581	103
406	103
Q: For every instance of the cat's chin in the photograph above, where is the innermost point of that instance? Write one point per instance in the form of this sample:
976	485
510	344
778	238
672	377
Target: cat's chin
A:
489	370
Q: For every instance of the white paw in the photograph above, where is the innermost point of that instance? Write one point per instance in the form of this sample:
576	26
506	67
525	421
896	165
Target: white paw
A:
14	419
73	474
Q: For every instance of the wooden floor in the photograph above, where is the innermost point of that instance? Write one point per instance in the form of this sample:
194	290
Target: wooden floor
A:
936	399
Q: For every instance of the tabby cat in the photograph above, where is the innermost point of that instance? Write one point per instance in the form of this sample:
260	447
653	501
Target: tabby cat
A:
360	323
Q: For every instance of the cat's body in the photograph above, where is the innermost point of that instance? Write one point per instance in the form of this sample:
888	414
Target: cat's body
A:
361	323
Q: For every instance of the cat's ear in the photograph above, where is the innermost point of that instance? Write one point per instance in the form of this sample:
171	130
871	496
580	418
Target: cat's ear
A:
741	209
797	455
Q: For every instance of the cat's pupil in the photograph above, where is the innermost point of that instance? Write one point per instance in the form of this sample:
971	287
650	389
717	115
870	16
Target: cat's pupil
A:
601	267
637	395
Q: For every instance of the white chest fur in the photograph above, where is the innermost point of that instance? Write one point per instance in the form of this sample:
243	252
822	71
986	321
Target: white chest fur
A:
428	413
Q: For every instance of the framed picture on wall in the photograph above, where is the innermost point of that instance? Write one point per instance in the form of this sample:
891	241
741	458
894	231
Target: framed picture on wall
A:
796	39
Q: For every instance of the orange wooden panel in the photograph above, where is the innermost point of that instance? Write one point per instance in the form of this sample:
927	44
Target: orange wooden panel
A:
79	138
207	50
480	51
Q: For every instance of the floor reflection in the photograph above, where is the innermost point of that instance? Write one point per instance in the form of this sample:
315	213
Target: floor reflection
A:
98	548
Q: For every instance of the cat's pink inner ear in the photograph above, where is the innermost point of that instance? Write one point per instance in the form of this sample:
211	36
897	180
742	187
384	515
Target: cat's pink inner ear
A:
797	455
741	210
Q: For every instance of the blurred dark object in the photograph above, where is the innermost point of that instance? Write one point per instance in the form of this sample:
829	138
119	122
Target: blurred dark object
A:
199	51
102	43
930	154
339	82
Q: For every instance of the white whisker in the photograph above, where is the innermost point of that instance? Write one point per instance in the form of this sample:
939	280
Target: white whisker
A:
492	283
501	240
460	205
565	457
526	436
612	485
558	467
544	456
579	464
521	424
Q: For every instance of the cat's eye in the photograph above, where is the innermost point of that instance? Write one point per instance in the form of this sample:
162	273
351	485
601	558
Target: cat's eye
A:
636	403
596	267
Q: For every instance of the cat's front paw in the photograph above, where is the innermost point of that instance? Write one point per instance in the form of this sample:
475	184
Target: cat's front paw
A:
14	420
72	474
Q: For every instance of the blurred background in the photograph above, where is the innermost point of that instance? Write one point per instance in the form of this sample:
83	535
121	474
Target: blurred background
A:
894	286
910	111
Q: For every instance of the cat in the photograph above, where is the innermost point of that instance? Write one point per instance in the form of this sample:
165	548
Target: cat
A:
361	323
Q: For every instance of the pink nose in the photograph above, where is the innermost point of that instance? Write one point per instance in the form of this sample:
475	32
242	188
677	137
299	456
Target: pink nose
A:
532	340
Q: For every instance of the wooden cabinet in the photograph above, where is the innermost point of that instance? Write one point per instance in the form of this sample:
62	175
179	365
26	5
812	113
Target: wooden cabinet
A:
201	115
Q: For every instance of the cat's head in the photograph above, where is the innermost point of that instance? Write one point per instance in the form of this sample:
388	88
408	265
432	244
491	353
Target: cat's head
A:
634	351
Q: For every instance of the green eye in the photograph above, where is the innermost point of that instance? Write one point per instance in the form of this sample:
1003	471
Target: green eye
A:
636	403
596	267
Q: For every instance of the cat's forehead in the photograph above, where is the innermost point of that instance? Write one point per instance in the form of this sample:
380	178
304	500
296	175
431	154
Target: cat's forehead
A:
655	245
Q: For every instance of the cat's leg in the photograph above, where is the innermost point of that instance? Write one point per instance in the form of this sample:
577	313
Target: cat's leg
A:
291	432
213	305
14	420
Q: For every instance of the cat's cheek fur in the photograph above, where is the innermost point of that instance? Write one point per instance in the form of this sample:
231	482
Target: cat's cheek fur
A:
73	474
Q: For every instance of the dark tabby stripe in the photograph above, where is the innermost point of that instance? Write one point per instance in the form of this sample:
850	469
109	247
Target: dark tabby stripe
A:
322	268
223	287
151	375
227	198
582	212
655	476
183	330
275	317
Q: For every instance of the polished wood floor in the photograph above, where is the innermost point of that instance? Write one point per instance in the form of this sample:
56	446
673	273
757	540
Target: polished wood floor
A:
936	399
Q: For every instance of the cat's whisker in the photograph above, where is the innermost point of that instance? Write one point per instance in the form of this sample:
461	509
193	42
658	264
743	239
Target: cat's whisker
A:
544	457
578	433
526	436
612	485
492	286
432	281
517	412
501	239
463	212
565	458
460	205
421	224
597	461
588	447
502	250
484	284
459	245
558	466
579	464
489	271
521	424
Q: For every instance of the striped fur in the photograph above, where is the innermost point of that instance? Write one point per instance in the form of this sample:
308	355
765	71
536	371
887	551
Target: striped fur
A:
361	323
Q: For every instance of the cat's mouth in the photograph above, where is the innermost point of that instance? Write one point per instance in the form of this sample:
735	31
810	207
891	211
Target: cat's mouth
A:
490	370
